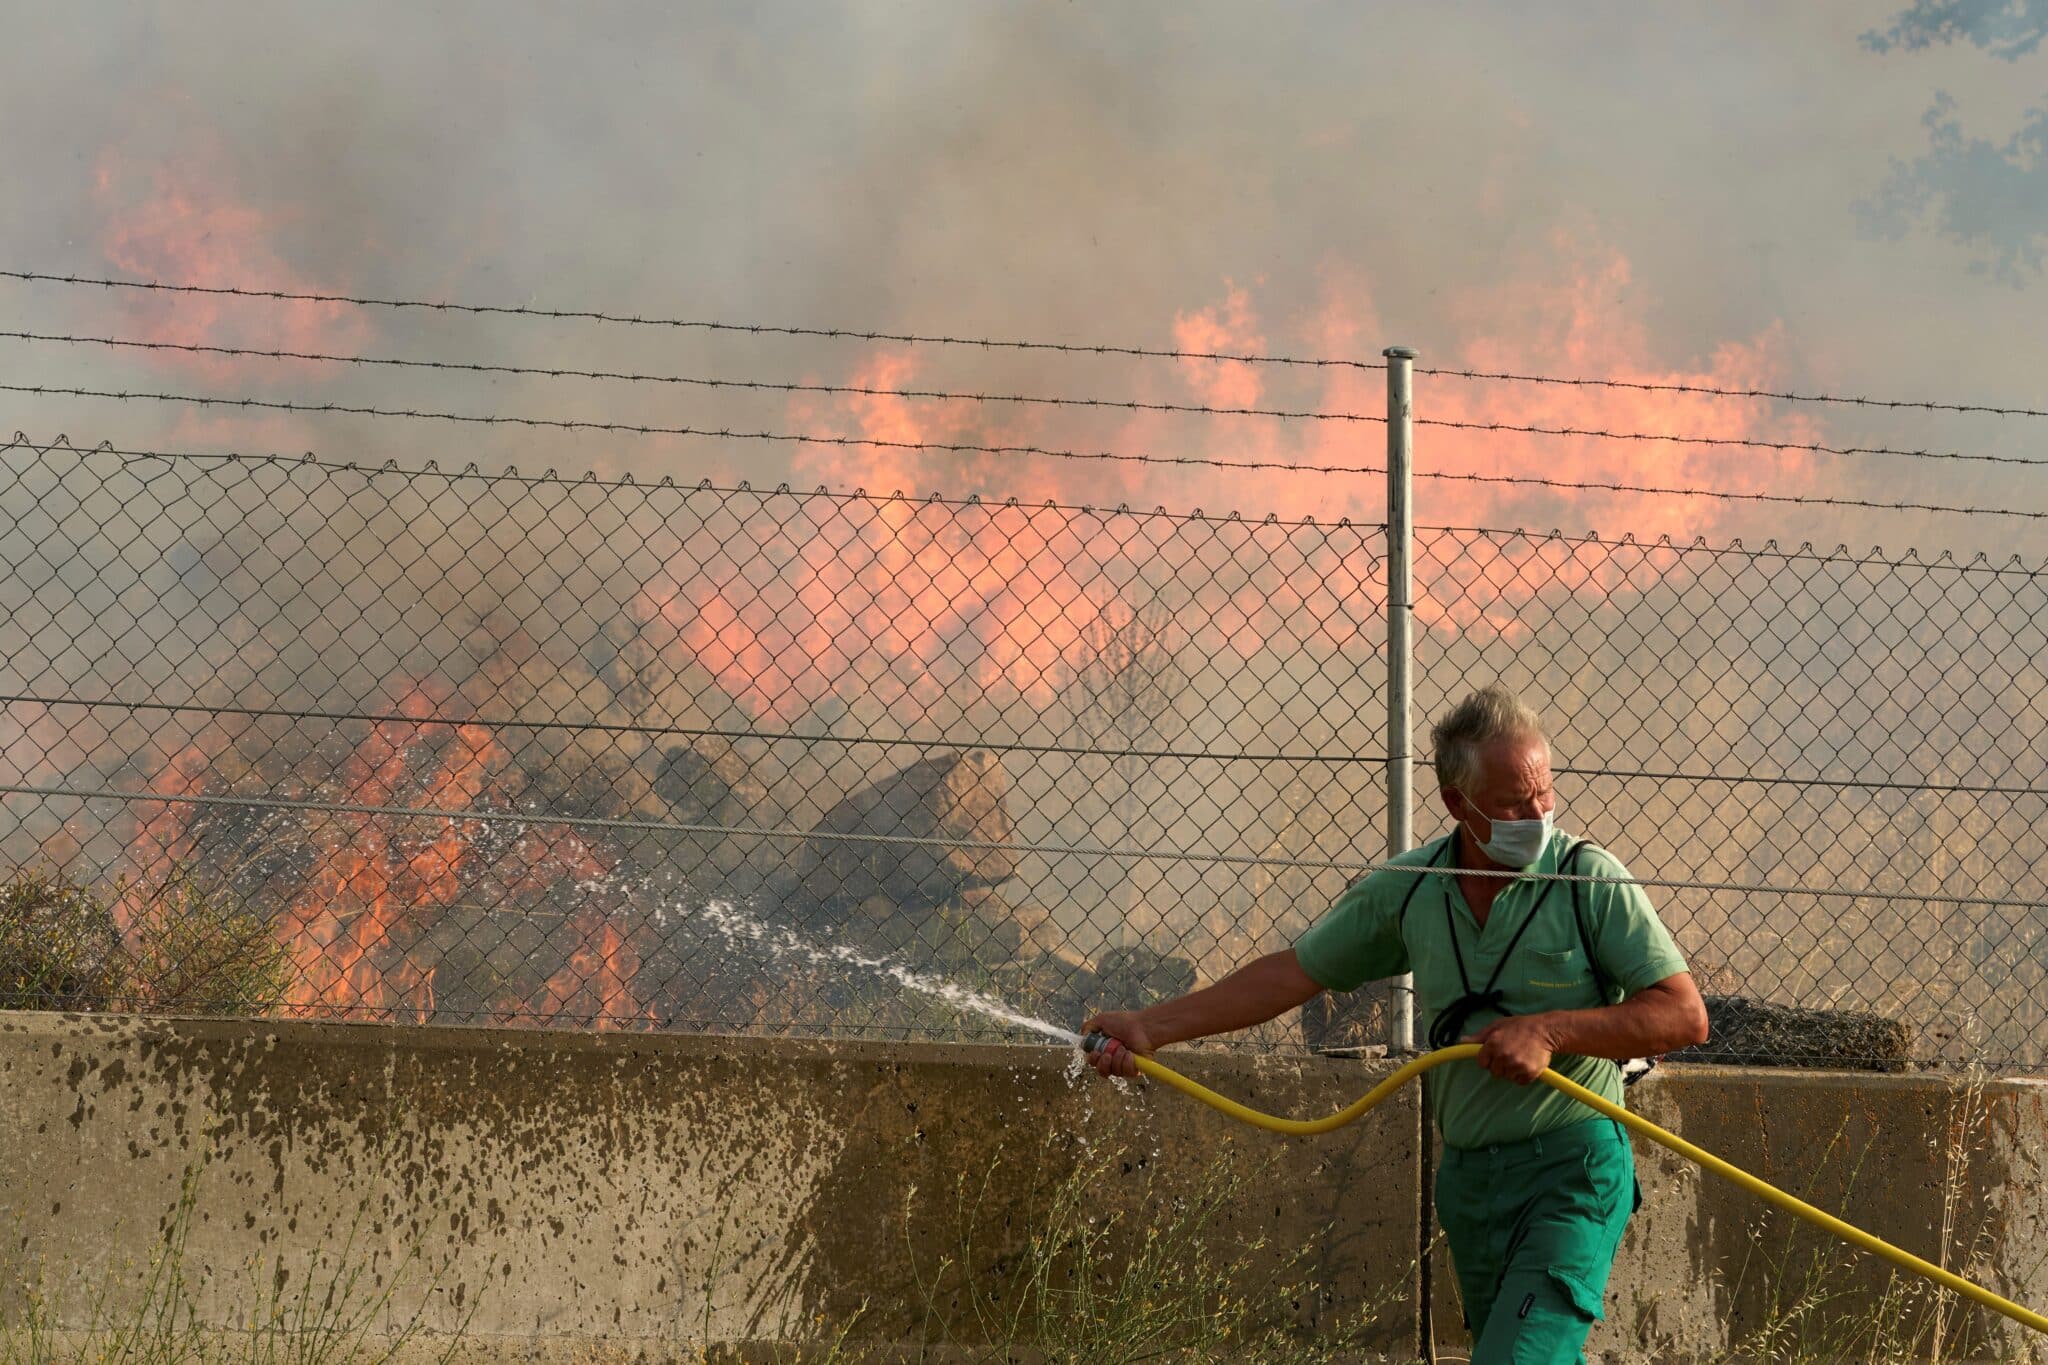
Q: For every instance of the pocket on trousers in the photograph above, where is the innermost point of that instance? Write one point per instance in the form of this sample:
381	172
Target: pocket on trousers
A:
1579	1294
1539	1319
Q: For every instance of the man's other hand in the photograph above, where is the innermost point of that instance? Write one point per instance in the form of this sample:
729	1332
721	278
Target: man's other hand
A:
1516	1048
1126	1036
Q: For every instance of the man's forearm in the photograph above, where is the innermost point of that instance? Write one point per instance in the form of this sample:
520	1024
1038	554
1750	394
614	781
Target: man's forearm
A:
1655	1020
1261	990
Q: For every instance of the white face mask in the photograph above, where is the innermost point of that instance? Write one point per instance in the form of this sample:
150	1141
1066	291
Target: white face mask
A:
1515	843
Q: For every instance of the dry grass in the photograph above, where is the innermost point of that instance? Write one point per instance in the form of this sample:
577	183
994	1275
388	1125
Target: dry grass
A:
1090	1286
336	1314
1811	1316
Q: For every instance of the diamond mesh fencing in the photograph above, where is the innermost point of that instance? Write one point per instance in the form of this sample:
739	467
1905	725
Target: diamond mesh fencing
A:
464	748
312	740
1788	718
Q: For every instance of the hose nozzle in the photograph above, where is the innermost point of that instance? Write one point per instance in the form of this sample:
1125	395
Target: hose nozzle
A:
1104	1043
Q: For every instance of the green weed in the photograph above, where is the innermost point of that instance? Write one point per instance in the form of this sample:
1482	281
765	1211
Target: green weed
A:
170	942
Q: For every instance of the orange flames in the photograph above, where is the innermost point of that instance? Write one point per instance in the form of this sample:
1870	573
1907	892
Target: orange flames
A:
376	882
1228	330
356	923
597	985
163	838
892	580
907	602
179	219
1004	600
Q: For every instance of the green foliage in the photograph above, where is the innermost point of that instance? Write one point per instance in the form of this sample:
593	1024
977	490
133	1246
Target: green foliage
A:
196	949
189	946
59	947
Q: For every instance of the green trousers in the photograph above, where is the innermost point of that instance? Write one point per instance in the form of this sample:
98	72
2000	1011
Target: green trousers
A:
1533	1228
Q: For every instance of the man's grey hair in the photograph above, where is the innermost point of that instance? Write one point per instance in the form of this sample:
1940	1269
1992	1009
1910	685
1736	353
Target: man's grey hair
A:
1489	714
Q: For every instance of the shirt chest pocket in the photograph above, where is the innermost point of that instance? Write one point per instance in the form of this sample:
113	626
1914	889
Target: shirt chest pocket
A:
1555	973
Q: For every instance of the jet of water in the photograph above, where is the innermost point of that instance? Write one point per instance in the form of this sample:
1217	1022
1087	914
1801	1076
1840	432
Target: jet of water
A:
785	944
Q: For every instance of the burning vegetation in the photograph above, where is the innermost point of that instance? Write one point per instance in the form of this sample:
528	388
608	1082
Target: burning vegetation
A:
610	705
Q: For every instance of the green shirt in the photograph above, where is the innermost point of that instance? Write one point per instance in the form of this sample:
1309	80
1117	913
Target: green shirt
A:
1366	936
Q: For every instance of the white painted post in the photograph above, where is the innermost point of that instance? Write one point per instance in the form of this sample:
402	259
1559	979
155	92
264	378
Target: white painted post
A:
1400	619
1401	791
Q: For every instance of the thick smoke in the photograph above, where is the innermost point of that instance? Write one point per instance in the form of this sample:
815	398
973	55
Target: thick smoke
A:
1605	195
1022	171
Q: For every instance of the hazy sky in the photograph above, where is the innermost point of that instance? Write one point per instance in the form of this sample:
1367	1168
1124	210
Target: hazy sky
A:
1743	193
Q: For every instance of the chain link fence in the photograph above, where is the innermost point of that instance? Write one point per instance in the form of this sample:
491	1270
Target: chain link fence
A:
314	740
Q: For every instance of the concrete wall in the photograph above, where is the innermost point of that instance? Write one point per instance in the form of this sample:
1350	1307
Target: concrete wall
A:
556	1195
1943	1167
608	1195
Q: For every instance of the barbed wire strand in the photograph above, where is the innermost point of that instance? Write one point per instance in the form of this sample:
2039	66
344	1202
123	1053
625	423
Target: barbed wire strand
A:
1126	457
636	377
1796	499
1743	442
533	818
715	433
947	395
696	324
1805	552
991	343
1780	395
1980	563
550	478
679	731
994	746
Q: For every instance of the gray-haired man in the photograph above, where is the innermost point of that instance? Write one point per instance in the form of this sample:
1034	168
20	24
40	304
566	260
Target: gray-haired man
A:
1535	1189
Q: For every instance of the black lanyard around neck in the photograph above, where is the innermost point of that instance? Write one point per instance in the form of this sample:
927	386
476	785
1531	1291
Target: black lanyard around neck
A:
1449	1026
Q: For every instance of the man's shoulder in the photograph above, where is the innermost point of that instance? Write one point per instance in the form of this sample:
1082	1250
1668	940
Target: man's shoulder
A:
1617	890
1429	851
1588	859
1394	873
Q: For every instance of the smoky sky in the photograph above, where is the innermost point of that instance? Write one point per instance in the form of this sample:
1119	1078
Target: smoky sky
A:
1845	195
1988	193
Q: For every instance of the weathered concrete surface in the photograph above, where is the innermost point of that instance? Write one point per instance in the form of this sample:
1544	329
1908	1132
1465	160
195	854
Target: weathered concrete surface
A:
578	1196
1946	1169
559	1196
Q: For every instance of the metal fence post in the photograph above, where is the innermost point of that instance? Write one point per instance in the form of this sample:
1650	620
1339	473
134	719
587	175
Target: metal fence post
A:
1401	794
1400	614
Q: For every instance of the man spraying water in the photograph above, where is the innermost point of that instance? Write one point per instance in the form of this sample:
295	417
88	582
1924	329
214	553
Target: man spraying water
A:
1535	1189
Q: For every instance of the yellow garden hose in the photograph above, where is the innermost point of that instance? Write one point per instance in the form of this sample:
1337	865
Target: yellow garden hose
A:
1762	1189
